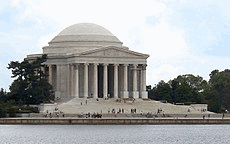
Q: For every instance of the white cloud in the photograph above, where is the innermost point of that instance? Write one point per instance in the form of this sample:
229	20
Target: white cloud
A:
24	37
163	72
44	40
164	41
169	53
15	2
117	16
120	17
199	59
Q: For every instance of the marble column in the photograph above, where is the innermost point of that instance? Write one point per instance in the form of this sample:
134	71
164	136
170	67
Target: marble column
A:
50	74
116	81
135	92
125	92
72	80
76	86
95	81
105	81
86	66
144	93
58	77
68	81
58	82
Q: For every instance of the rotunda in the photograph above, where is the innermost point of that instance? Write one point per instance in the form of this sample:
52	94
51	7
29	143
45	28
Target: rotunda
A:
86	60
81	37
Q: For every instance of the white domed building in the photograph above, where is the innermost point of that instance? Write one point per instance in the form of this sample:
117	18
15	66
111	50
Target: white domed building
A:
86	60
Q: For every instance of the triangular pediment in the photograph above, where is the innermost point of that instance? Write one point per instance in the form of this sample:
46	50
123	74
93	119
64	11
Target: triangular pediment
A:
114	52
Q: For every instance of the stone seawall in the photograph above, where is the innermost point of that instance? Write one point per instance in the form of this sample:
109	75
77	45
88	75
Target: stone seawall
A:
110	121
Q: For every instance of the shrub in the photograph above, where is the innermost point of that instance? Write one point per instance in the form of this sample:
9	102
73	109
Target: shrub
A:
2	112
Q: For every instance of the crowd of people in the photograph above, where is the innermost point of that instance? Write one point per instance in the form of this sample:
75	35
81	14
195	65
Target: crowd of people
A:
55	113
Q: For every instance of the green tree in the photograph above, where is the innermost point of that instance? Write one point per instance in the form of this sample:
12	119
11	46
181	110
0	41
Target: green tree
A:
189	88
219	94
174	84
213	73
3	95
31	84
5	103
161	91
184	88
2	112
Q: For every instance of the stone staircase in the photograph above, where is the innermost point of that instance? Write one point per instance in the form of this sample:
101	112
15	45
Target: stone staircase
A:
84	105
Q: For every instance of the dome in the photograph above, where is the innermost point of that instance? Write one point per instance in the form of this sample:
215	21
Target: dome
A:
85	32
85	29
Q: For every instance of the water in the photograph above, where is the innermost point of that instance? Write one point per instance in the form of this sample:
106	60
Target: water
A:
115	134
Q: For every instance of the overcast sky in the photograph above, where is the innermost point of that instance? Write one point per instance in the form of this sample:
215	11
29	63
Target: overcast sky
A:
181	36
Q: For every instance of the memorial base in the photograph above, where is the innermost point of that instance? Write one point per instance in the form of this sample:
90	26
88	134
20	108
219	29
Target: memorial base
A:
135	94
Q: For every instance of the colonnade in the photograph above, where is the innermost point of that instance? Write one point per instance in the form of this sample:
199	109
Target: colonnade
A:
129	80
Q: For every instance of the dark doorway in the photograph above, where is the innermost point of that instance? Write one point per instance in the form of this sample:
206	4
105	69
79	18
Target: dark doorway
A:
100	81
111	80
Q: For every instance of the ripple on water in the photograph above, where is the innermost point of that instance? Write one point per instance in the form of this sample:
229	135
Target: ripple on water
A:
114	134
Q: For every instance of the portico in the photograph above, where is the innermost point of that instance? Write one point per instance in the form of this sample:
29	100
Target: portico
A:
117	80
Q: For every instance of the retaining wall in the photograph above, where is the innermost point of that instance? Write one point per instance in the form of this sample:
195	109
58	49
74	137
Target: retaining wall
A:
106	121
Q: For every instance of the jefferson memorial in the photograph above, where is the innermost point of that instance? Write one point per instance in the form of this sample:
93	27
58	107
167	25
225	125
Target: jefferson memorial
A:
86	60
